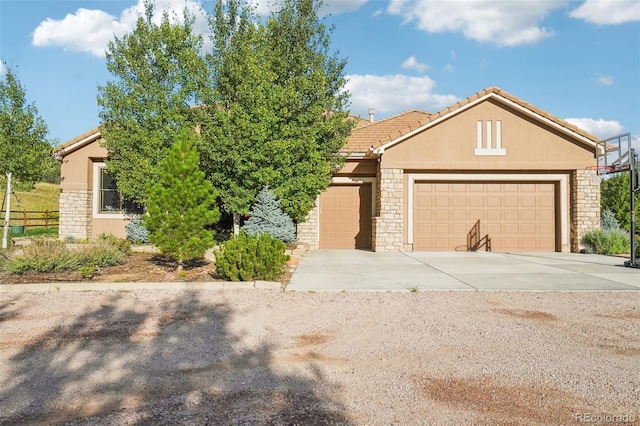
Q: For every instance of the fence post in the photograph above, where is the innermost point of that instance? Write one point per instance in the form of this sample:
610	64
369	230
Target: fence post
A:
46	219
24	220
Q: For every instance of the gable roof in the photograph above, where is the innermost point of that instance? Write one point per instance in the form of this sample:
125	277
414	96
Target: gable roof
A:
76	143
387	132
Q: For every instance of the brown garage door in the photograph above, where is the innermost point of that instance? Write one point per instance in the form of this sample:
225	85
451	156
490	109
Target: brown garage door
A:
345	217
510	216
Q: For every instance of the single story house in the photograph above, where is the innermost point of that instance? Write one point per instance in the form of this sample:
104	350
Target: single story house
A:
491	172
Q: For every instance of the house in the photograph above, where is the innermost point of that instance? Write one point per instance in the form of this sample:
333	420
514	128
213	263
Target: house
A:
491	172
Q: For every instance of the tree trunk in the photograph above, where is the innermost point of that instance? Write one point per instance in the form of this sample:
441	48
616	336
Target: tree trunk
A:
236	224
7	214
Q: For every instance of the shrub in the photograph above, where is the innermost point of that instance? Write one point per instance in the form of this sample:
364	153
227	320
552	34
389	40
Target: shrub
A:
608	219
247	257
136	232
606	241
267	216
46	255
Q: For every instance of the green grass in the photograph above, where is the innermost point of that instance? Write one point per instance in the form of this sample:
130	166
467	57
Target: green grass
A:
52	231
45	196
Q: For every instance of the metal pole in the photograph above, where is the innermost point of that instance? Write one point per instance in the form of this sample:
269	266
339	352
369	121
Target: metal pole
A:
632	207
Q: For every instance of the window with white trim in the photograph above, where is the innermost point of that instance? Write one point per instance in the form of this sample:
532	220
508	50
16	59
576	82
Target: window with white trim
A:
107	203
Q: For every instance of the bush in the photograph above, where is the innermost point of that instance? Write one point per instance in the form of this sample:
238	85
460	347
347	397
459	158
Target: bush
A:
136	232
247	257
608	219
267	216
46	255
606	241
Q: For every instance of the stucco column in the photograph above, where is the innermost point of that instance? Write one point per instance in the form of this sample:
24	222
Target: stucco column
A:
585	207
75	213
388	225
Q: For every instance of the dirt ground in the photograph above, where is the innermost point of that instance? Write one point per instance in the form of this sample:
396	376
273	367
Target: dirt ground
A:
137	267
267	357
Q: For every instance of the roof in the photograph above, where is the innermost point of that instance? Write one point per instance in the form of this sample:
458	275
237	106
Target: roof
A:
77	143
368	134
389	131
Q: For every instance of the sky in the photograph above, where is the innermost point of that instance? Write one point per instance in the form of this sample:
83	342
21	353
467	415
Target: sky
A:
578	60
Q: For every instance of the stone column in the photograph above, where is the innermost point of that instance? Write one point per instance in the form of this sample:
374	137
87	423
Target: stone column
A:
388	225
75	213
585	206
308	231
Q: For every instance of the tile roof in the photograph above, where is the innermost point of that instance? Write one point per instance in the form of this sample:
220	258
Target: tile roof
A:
367	134
389	129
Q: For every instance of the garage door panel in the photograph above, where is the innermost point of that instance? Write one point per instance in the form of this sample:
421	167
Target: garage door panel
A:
345	217
515	216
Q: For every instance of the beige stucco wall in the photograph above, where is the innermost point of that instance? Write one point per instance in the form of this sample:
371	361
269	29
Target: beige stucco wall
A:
77	167
450	144
76	196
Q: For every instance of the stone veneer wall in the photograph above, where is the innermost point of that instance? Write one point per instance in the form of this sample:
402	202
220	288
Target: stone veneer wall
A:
387	227
585	206
308	231
75	213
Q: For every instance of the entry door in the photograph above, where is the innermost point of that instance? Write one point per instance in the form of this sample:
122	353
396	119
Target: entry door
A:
345	217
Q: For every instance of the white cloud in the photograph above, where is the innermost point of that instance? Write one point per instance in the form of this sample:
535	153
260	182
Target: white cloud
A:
412	63
2	68
607	12
605	80
453	55
448	68
601	128
90	30
394	93
377	13
504	23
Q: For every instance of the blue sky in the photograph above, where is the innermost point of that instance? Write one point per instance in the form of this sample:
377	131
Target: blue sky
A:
578	60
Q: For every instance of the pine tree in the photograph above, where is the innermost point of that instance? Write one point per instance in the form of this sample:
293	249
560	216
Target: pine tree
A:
181	204
268	217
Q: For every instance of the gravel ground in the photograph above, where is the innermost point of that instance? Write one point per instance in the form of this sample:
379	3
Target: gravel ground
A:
268	357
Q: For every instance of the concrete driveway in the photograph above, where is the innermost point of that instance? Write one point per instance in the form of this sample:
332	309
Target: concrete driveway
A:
336	270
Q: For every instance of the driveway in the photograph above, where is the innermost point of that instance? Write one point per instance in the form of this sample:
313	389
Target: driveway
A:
336	270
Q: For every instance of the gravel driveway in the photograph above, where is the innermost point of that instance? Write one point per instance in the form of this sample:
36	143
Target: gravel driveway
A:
268	357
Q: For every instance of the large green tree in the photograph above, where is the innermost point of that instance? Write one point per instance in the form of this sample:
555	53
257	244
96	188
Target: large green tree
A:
159	71
24	150
277	109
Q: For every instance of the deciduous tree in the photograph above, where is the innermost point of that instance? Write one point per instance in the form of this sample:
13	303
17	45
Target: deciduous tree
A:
24	149
159	71
277	109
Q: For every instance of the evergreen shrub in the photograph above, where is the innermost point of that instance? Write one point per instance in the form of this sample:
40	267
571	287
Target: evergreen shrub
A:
181	205
136	232
268	217
248	257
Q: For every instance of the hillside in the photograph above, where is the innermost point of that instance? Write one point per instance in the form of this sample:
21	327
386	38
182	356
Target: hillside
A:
45	196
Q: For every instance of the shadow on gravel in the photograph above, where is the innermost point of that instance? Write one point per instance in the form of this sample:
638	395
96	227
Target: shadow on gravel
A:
174	363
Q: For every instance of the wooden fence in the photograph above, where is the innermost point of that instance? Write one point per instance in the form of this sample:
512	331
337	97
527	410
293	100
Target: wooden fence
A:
33	219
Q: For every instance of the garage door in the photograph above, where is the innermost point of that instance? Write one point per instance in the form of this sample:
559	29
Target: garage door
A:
345	217
507	216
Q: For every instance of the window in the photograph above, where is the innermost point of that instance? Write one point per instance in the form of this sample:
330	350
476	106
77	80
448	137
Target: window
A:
106	200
